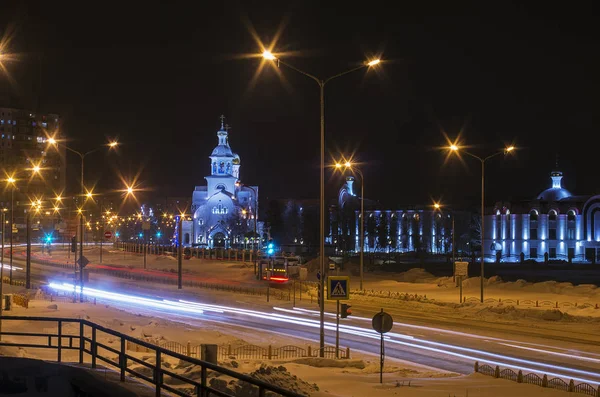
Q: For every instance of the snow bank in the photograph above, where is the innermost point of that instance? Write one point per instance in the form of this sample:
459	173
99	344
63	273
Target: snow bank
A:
329	363
276	376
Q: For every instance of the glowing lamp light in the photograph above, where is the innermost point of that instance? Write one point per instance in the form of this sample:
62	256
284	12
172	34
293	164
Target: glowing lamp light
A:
158	234
268	55
436	206
454	148
51	141
36	169
510	149
113	144
374	62
11	179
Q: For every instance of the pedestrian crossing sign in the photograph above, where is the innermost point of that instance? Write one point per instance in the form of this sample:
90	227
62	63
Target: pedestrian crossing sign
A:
338	287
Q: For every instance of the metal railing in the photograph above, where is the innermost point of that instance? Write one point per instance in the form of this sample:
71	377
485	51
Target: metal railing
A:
86	342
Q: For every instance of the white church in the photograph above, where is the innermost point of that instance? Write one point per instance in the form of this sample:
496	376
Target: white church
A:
224	211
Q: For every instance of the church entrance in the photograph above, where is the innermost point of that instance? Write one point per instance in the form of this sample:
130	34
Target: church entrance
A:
219	240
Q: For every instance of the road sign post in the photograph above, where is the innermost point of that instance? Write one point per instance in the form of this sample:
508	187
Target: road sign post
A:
338	288
382	322
461	271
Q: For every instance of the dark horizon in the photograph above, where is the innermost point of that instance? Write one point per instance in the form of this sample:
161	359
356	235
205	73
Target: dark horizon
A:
159	77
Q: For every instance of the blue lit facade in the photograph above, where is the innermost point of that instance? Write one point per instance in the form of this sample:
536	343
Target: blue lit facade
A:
223	212
555	225
409	229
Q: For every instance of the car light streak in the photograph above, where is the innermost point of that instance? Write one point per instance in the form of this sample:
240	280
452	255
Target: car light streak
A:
502	364
595	360
121	297
392	337
14	267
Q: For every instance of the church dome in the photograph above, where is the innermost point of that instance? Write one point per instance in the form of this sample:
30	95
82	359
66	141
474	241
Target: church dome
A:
222	151
236	159
556	192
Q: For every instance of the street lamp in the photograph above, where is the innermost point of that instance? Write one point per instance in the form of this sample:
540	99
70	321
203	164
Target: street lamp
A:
54	142
355	169
240	184
456	149
11	181
269	56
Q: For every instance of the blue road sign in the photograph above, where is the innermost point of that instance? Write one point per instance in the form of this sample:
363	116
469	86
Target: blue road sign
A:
338	287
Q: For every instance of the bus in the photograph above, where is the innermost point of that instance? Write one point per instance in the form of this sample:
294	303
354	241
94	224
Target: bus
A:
279	268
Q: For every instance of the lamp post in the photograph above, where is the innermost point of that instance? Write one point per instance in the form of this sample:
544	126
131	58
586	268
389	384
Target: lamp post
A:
321	82
352	167
111	145
254	251
482	160
12	182
2	269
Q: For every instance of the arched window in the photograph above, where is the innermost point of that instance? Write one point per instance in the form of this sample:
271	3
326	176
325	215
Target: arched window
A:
571	215
533	217
416	217
571	226
552	225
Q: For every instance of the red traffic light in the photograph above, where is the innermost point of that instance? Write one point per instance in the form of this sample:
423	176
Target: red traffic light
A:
345	310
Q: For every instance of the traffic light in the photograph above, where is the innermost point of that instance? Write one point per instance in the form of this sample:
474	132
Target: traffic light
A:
345	310
270	248
73	244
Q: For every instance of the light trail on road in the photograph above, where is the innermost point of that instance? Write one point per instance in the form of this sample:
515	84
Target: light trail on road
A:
291	319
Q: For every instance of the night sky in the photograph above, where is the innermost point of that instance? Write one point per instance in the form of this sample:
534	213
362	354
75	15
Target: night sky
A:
159	77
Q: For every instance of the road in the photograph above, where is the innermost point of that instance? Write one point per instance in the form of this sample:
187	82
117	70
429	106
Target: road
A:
440	343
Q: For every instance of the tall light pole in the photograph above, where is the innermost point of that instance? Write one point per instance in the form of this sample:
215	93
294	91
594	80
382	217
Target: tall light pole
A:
352	167
11	181
457	149
111	145
240	184
321	82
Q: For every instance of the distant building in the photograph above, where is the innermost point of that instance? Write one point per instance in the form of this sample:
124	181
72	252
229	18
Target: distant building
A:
23	144
408	229
223	212
554	225
24	134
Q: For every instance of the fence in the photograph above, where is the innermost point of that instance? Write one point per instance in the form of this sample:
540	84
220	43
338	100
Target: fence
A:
248	351
532	303
499	301
534	379
85	341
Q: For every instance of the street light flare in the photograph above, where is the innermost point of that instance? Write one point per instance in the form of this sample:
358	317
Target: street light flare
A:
52	141
113	144
510	149
36	169
453	147
268	55
436	206
11	180
348	164
374	62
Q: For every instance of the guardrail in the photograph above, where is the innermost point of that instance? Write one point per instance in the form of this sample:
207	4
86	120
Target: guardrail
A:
86	342
534	379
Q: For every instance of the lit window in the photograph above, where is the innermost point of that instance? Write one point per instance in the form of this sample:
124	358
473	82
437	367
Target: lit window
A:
552	215
44	124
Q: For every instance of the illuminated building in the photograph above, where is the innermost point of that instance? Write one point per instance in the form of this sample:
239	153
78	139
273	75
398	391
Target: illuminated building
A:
407	229
23	136
555	225
223	211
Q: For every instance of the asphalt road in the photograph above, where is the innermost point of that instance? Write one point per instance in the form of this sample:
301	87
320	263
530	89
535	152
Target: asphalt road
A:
440	343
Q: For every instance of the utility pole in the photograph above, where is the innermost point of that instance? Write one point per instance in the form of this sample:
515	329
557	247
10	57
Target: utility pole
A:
179	253
81	258
2	272
28	263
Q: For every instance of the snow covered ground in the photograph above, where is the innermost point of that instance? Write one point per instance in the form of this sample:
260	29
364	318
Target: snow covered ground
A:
356	377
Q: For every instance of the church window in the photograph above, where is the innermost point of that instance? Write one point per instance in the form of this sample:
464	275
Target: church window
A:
552	215
228	169
571	215
215	167
221	168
